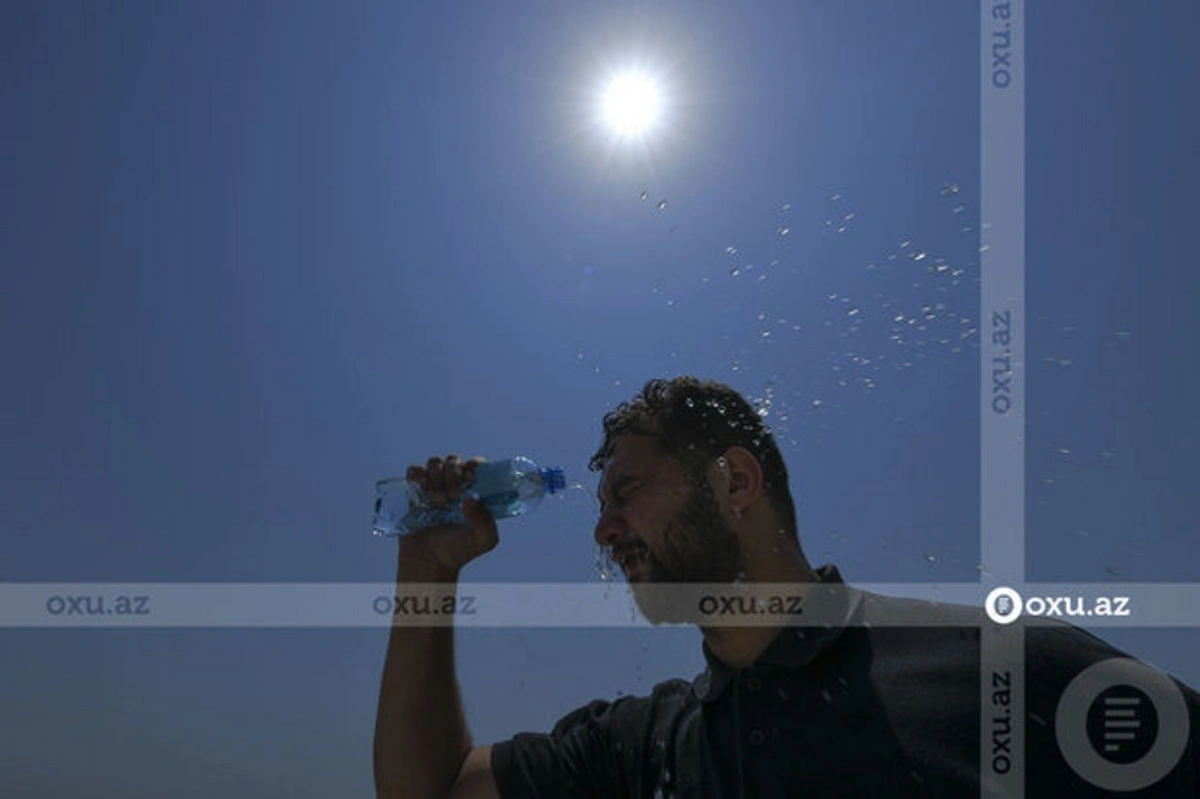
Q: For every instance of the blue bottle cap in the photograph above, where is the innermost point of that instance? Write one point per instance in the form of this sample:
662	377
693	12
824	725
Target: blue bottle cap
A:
555	479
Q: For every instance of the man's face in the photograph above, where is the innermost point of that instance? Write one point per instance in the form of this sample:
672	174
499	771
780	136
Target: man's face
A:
662	525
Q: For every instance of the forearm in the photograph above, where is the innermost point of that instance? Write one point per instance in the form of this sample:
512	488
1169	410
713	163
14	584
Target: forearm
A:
421	736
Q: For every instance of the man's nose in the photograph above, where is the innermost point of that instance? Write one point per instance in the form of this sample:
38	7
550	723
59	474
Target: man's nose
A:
608	529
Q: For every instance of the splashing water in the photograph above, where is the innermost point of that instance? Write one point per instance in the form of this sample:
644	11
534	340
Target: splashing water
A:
606	566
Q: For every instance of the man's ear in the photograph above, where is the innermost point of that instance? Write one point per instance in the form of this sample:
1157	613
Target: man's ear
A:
742	470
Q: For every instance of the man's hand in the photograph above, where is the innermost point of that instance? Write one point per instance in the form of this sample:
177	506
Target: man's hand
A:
452	546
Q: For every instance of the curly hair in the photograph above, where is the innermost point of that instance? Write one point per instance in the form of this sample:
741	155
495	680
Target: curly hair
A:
694	422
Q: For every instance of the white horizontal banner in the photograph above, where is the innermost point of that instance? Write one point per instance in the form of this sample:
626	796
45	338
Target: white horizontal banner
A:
52	605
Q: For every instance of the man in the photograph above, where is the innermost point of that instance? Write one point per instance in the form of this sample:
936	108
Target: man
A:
849	694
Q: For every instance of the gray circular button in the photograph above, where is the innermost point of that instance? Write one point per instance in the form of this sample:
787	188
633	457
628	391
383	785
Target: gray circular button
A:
1145	718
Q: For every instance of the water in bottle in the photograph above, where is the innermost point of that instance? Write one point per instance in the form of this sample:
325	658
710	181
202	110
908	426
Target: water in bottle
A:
507	488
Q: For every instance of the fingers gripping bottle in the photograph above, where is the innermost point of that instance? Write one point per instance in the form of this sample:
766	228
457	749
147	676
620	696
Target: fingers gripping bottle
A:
507	488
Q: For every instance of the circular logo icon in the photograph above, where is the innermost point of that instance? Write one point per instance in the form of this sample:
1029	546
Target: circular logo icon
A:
1003	605
1122	725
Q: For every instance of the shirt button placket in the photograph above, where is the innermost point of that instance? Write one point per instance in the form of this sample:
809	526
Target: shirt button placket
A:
756	737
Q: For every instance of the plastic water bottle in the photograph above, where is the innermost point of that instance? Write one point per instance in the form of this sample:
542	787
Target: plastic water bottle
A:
507	488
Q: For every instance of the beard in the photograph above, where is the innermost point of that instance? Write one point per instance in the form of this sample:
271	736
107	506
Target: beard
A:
698	547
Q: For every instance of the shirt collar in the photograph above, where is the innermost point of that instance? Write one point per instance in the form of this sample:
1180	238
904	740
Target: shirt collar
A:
799	642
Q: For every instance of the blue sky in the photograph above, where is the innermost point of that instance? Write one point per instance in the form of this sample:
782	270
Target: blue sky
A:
255	259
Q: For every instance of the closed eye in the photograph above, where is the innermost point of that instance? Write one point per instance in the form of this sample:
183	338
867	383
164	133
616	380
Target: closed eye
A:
620	493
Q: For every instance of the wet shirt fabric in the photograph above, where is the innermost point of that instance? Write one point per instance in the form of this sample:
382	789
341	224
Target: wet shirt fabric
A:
876	706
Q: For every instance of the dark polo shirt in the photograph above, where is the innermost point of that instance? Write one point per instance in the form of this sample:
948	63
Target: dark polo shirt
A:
863	708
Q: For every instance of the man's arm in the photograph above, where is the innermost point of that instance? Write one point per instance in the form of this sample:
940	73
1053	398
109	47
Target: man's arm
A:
421	736
422	744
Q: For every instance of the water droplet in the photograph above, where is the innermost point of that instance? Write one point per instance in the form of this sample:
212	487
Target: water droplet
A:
691	403
603	564
827	697
1038	719
816	403
783	231
837	195
785	207
1064	451
1124	335
958	209
949	190
931	558
1113	570
645	194
905	243
735	271
918	256
852	312
731	250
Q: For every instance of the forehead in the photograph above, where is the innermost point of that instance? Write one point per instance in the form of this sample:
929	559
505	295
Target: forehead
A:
633	455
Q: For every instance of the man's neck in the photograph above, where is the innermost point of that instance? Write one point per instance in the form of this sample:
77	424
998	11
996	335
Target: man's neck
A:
739	647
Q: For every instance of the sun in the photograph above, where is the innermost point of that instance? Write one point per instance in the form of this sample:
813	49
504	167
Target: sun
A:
631	105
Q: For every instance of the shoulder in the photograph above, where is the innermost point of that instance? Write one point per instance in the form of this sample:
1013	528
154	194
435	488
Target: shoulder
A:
1054	651
594	750
878	609
607	714
1057	652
